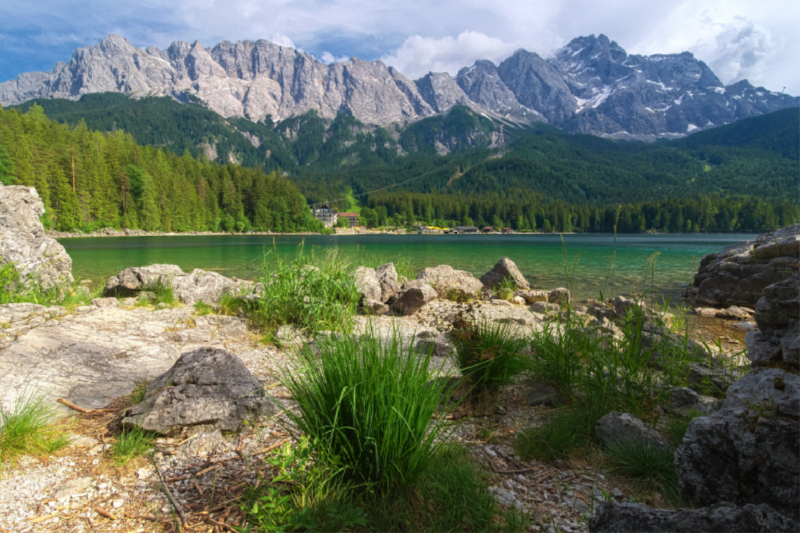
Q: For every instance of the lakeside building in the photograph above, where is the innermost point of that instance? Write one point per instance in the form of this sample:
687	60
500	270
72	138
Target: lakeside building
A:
327	215
351	217
489	229
466	229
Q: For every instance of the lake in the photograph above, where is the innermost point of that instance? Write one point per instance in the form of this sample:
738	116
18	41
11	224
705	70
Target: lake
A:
665	263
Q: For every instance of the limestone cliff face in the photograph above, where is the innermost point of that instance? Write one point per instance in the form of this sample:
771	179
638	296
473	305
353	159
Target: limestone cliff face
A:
590	86
38	258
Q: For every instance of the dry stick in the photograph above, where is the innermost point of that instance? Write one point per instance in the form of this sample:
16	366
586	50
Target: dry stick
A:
521	470
73	406
221	524
270	448
203	471
181	517
103	512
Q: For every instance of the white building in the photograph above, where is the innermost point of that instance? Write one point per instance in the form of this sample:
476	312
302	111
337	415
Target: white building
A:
327	215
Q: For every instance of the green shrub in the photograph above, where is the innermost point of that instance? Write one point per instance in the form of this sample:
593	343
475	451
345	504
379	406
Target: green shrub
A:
310	292
564	433
27	429
505	290
650	468
12	290
366	406
130	444
488	356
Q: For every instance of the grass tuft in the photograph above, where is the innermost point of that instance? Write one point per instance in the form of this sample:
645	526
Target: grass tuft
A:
488	356
130	444
563	434
366	405
26	429
650	468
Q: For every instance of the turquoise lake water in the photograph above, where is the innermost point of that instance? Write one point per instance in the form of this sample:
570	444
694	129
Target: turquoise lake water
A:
539	257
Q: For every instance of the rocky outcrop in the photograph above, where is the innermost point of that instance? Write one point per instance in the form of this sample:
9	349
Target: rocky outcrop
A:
749	450
196	286
619	427
502	270
722	518
387	279
205	390
739	273
779	304
39	259
95	354
448	280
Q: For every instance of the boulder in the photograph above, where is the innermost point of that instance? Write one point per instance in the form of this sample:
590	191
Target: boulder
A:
616	427
413	297
372	307
779	304
387	279
738	274
367	283
532	297
446	280
505	269
205	390
723	518
558	296
714	378
38	258
749	450
197	286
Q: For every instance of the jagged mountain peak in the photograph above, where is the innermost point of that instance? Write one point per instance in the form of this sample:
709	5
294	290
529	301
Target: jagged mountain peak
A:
591	85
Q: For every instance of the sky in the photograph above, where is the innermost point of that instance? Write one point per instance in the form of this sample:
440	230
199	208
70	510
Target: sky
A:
738	39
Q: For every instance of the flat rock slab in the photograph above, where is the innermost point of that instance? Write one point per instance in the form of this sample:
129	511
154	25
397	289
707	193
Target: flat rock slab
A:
99	353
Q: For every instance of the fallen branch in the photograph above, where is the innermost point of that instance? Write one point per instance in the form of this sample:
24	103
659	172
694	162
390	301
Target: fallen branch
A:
270	448
519	471
73	406
221	524
103	512
175	504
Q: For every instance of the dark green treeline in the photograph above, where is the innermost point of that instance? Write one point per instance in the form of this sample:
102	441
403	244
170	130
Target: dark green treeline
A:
526	210
89	180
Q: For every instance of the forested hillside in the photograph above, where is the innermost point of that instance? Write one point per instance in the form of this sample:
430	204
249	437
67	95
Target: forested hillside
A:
729	179
89	179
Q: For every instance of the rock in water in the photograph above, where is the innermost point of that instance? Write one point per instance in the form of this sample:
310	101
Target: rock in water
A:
205	389
505	269
723	518
38	258
739	273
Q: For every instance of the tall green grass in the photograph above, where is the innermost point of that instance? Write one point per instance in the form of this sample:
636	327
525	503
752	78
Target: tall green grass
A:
13	290
27	429
650	468
488	355
367	406
130	444
312	292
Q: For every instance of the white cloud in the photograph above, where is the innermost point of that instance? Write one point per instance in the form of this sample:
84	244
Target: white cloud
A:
329	58
737	38
419	55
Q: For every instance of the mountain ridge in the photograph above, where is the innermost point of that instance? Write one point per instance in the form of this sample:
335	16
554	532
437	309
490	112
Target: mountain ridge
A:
590	86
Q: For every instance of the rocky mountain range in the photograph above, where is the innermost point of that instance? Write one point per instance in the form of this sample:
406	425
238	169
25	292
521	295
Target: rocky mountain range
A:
590	86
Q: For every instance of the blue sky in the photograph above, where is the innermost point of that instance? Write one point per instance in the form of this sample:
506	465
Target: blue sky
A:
738	39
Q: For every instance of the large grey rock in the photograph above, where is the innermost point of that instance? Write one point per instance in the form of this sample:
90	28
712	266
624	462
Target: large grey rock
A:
505	269
38	258
739	273
446	279
205	389
722	518
387	279
618	427
196	286
99	353
711	379
413	297
779	304
749	450
367	283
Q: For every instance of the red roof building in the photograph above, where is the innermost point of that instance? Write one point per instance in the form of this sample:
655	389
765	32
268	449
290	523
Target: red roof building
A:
351	217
